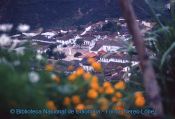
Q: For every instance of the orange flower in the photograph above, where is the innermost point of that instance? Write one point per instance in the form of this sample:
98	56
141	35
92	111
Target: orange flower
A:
87	76
56	78
121	108
92	94
76	99
80	107
140	101
94	79
118	95
49	67
79	71
50	105
91	60
120	85
106	84
114	99
70	68
138	94
67	101
72	77
97	66
94	85
109	91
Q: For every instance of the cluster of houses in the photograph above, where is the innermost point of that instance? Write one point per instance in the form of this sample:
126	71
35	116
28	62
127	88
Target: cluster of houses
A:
102	45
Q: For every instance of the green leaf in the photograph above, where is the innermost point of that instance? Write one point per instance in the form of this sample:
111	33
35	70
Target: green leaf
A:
166	54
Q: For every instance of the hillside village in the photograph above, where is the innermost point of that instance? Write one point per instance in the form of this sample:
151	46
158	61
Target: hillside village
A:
78	59
107	41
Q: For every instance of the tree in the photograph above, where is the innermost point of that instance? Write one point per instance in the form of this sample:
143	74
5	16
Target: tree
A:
150	82
79	42
49	53
64	46
59	55
110	26
52	46
77	54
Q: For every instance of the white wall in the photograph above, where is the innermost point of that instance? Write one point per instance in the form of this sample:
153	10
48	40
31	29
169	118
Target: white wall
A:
106	60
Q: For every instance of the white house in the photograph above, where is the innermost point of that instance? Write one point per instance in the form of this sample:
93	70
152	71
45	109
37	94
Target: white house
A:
108	48
49	35
107	60
44	41
68	40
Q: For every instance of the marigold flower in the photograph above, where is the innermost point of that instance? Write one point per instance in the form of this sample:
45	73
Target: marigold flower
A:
49	67
121	108
92	94
87	76
94	85
97	66
72	77
80	107
94	79
120	85
118	95
140	101
109	90
138	94
76	99
91	60
70	68
67	101
79	71
50	105
106	84
114	99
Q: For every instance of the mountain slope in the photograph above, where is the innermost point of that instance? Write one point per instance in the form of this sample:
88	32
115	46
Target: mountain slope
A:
64	12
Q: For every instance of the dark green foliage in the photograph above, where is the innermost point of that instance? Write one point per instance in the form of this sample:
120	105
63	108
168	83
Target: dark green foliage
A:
161	41
79	42
59	55
77	54
16	89
110	26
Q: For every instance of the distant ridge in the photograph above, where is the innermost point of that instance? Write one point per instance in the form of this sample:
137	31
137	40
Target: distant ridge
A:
64	12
